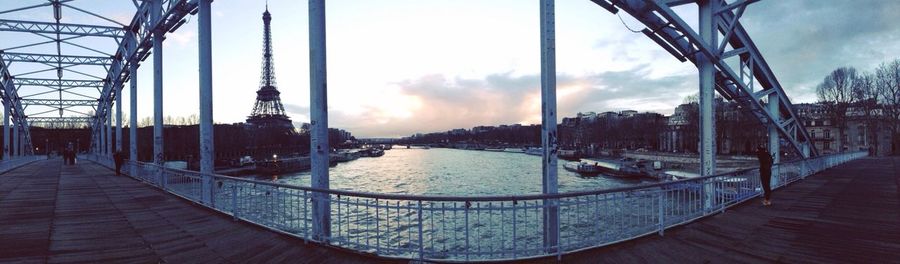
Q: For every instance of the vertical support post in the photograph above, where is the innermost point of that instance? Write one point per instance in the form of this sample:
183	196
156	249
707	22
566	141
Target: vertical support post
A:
319	148
6	149
132	135
548	127
155	16
207	145
119	119
109	134
102	132
16	128
774	142
707	71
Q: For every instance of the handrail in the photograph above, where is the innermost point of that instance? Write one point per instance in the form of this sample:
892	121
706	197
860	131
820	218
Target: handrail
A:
439	198
503	227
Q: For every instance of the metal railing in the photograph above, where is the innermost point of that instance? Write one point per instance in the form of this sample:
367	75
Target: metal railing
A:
483	227
10	164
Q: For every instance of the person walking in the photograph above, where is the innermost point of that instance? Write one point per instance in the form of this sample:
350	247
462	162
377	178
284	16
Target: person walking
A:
765	173
118	158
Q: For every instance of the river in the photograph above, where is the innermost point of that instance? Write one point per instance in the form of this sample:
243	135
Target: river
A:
440	171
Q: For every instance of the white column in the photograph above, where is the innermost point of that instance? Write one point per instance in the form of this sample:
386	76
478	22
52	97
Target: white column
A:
15	144
774	142
156	15
319	148
132	135
119	119
109	136
6	148
550	182
707	71
207	145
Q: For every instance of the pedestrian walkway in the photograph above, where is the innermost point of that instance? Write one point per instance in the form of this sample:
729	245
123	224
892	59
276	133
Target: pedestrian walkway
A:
83	213
846	214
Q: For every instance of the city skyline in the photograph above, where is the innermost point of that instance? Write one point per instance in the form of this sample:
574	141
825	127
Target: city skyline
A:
394	75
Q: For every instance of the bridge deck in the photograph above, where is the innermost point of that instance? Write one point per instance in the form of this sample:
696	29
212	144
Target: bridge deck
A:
55	213
83	213
846	214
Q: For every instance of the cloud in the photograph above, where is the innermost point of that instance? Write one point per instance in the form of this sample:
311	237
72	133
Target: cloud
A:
804	40
441	103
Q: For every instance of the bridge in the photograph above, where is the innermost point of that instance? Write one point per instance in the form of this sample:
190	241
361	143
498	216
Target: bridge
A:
401	226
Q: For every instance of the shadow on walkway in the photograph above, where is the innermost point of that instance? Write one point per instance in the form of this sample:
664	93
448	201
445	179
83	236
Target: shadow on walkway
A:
83	213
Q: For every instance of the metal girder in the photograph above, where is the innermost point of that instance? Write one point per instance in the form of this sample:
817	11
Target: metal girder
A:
66	121
62	28
57	102
136	44
10	97
56	59
58	83
45	119
676	36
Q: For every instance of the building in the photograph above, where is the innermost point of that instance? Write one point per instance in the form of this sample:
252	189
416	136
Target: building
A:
861	131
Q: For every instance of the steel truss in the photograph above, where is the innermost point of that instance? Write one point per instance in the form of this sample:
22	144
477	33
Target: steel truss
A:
61	122
134	43
58	83
55	102
747	85
61	28
55	59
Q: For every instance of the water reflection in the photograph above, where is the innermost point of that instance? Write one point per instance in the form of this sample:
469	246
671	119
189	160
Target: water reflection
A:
450	172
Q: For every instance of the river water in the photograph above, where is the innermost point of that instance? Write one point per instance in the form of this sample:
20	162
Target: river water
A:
440	171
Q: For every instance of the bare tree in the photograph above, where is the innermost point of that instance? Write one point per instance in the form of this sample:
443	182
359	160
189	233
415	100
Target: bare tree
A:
836	94
888	86
867	95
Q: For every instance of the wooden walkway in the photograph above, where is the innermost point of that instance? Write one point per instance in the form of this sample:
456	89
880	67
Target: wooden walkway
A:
54	213
846	214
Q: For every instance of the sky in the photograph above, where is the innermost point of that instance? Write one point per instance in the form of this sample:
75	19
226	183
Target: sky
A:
398	67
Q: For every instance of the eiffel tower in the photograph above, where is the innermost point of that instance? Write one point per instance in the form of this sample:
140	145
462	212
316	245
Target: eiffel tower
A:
268	112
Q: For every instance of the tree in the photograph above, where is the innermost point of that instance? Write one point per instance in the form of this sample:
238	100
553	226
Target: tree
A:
867	96
836	94
887	82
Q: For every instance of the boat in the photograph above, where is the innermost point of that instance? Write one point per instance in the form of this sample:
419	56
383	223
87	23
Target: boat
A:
583	168
568	154
344	156
371	152
514	150
535	151
283	165
619	168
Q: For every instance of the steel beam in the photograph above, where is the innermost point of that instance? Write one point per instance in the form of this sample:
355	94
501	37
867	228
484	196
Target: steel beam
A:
61	28
132	136
109	134
119	121
207	150
550	182
6	148
707	71
58	103
55	83
16	128
156	17
774	142
56	59
319	148
680	37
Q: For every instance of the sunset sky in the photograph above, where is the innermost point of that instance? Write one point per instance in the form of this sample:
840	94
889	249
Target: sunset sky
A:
397	67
